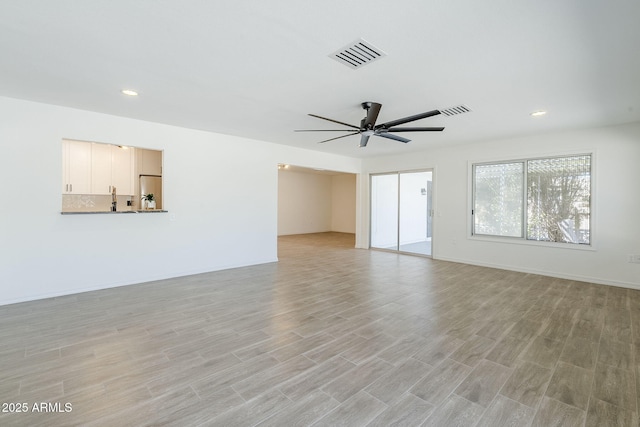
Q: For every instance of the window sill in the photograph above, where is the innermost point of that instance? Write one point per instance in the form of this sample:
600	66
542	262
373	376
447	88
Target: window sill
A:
520	241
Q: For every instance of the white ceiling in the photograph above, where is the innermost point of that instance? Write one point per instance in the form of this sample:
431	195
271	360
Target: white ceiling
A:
256	68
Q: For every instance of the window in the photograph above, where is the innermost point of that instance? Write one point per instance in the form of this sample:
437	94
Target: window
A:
547	199
498	199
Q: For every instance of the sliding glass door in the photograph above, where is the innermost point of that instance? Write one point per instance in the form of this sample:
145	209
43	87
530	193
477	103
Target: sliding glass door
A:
401	211
384	211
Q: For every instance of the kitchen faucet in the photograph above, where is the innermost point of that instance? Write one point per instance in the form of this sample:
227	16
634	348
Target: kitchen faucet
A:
114	200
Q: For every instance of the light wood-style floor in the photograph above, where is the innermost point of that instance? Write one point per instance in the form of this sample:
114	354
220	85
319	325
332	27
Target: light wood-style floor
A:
330	335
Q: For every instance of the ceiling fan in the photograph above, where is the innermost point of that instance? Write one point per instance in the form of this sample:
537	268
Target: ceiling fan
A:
368	125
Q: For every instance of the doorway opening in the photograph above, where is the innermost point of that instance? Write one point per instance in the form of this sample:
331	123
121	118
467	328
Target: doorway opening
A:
312	201
402	212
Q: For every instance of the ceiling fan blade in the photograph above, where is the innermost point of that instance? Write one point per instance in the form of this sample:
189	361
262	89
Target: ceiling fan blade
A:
428	129
323	130
393	123
392	136
334	121
337	137
363	141
373	109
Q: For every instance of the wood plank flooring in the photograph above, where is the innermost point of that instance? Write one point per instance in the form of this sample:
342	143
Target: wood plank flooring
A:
329	335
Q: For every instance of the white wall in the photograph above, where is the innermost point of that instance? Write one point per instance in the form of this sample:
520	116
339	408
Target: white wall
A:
220	190
304	203
315	203
343	203
616	201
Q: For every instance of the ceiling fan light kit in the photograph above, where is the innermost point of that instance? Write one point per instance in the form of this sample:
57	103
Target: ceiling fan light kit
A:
369	128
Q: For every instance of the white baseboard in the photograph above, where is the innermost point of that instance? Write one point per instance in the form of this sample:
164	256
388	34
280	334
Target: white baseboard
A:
134	281
576	277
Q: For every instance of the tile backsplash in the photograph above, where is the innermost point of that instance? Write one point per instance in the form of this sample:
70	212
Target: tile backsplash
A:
93	203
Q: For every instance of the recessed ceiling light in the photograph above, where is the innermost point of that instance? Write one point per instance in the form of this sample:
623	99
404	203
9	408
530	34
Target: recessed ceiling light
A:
129	92
538	113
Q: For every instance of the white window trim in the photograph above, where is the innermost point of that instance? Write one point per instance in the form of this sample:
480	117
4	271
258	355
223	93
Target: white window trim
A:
523	240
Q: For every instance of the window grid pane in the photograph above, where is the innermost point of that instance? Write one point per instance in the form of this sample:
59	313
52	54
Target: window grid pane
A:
498	199
554	193
558	199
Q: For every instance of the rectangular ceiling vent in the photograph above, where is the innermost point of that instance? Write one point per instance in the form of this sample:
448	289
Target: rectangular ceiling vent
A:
357	54
454	111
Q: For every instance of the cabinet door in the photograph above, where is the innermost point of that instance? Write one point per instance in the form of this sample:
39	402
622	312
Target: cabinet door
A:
122	170
151	162
100	168
76	167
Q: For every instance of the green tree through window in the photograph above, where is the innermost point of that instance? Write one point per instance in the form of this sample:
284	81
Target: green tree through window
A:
558	199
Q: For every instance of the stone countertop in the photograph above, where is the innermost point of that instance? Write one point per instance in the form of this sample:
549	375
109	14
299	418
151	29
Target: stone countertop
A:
117	212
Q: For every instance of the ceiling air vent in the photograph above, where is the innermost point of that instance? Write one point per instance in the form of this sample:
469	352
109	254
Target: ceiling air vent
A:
453	111
357	54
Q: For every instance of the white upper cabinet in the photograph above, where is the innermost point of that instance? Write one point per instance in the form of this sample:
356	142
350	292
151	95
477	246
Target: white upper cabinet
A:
76	167
111	166
150	162
122	169
101	169
94	168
